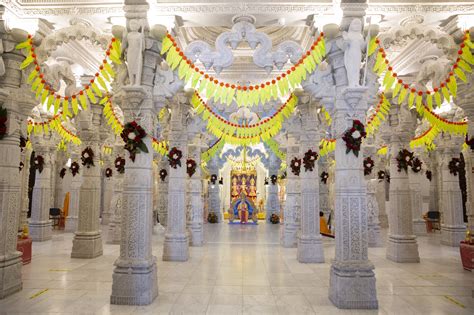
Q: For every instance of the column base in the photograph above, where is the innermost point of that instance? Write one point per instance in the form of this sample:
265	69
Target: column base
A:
310	249
86	245
71	224
176	247
196	237
134	285
114	234
352	286
402	249
40	231
419	227
452	235
373	236
289	235
10	274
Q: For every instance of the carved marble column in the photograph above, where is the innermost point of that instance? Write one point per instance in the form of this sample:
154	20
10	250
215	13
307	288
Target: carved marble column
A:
40	224
324	188
415	182
310	244
195	204
108	189
214	191
87	242
74	193
401	246
373	229
453	228
163	193
134	281
25	181
176	247
114	233
273	202
352	280
380	193
290	226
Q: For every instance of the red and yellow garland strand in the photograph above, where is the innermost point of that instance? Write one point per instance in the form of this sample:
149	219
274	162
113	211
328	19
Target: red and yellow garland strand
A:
244	95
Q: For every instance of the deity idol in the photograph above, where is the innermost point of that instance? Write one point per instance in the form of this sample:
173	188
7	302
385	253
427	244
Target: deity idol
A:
253	188
135	42
234	189
353	45
243	209
243	185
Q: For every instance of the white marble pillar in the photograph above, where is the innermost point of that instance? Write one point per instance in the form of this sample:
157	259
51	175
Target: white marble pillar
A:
310	244
373	229
195	204
290	226
114	233
324	204
75	187
415	182
453	228
163	192
10	258
87	242
273	202
380	194
176	246
40	224
214	191
108	189
25	181
402	246
134	281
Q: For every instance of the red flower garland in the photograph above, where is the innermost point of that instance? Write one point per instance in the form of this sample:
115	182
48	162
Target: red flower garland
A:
74	168
39	163
62	173
174	157
416	165
324	177
353	143
133	134
368	165
191	167
163	174
120	164
455	166
3	122
404	159
273	179
87	157
310	157
108	172
295	166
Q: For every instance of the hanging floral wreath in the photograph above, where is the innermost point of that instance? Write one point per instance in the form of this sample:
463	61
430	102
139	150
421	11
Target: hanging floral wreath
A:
324	177
39	163
273	179
62	173
454	166
310	157
74	168
22	165
213	179
120	164
108	172
163	174
404	159
22	143
174	157
274	219
353	137
387	177
368	165
416	165
3	122
190	167
87	157
295	166
381	175
133	134
429	175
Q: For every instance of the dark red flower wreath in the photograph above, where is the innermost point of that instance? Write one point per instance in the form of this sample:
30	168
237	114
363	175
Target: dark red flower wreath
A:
213	179
416	165
353	137
133	134
87	157
22	165
62	173
455	166
368	165
163	174
190	167
295	166
429	175
310	157
174	157
74	168
23	142
39	163
120	164
324	177
108	172
381	175
274	179
3	122
404	159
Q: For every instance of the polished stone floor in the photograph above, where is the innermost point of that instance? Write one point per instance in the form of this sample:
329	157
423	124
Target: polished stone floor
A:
240	270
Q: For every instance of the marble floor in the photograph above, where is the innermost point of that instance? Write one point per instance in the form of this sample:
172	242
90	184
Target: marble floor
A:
240	270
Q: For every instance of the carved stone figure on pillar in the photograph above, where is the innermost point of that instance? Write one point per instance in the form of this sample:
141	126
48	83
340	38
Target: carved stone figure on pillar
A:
353	43
134	42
